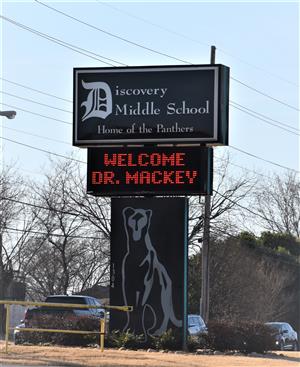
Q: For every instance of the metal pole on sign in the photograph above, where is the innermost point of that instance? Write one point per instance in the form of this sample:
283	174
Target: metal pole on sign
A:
204	302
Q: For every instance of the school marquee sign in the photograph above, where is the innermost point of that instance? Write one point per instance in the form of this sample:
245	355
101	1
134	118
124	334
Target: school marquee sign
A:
137	105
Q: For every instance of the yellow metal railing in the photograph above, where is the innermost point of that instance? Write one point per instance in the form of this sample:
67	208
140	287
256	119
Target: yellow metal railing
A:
64	305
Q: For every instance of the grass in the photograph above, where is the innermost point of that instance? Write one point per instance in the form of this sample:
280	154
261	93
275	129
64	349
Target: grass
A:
92	357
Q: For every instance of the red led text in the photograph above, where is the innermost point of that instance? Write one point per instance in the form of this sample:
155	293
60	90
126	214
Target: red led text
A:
160	177
144	159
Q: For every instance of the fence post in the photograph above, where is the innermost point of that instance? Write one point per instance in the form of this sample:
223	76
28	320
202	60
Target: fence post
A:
7	327
102	331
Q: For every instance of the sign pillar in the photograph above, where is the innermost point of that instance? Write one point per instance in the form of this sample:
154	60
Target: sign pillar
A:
149	266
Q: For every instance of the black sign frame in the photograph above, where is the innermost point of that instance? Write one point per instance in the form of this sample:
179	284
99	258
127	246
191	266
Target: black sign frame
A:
94	131
140	171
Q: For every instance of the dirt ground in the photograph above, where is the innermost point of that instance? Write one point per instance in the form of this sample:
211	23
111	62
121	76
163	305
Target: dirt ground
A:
89	357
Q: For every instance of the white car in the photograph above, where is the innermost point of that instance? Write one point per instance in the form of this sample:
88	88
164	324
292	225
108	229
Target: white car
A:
196	325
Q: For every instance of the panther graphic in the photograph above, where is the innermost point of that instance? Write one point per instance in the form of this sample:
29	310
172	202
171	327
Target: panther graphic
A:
141	267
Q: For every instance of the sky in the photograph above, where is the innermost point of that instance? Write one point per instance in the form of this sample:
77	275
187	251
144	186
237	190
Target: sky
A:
259	41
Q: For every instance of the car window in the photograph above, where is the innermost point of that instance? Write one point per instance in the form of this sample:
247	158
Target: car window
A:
195	321
68	299
275	327
97	303
198	321
288	327
91	302
201	322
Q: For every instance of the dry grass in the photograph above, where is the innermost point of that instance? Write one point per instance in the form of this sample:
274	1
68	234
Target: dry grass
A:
89	357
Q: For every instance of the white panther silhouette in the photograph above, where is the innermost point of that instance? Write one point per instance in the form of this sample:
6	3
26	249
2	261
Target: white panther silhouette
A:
141	267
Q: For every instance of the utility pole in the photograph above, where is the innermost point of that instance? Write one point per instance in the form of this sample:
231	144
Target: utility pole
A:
2	279
10	115
204	301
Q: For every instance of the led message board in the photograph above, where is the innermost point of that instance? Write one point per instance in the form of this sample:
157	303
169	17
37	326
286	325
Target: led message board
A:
171	104
154	171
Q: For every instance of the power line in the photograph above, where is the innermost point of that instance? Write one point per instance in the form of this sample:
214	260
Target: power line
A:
59	141
62	43
35	113
153	24
51	234
244	207
36	90
244	168
239	205
76	49
232	104
38	206
238	106
111	34
76	160
82	162
97	238
76	214
42	150
240	150
250	154
64	142
32	101
44	208
36	135
152	50
28	171
230	146
264	120
258	67
264	116
196	41
262	159
264	94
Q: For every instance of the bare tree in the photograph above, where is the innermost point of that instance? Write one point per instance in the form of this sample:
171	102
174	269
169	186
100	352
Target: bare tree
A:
273	301
229	191
71	254
278	203
248	284
15	226
94	210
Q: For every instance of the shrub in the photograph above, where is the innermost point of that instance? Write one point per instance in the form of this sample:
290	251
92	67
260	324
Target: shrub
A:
170	340
118	339
61	338
193	344
245	337
257	337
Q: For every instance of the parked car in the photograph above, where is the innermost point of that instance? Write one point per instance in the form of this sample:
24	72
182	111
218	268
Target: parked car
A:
285	337
38	316
47	317
196	325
